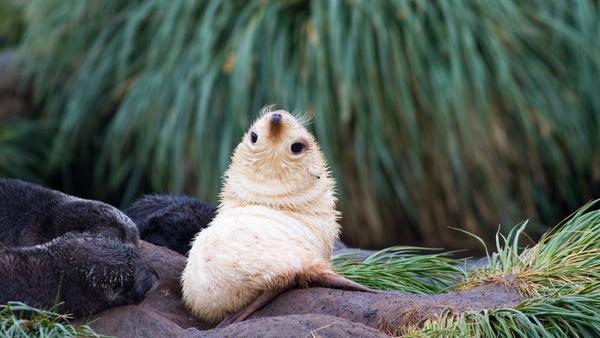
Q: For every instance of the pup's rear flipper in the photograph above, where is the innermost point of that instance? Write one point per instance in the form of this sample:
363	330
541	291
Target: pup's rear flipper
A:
317	276
329	279
263	299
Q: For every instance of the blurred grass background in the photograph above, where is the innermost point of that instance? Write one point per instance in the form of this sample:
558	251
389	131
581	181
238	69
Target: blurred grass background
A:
432	114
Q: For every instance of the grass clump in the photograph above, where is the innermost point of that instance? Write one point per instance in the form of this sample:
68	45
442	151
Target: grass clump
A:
561	314
560	274
565	259
559	278
18	320
400	268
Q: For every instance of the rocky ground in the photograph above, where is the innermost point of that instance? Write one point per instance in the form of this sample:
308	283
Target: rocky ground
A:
311	312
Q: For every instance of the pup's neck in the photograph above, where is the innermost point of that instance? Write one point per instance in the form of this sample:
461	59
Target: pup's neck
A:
316	208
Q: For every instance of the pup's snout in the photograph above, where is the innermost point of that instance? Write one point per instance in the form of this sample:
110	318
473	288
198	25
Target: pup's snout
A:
276	118
146	281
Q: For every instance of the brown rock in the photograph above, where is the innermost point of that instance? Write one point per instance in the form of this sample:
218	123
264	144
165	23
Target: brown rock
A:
309	325
133	321
296	313
166	299
388	311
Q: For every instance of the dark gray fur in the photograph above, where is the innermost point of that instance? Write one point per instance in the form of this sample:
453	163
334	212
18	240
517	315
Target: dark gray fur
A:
171	221
31	214
86	273
54	247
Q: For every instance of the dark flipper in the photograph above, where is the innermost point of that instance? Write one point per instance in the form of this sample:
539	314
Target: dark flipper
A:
330	279
316	276
263	299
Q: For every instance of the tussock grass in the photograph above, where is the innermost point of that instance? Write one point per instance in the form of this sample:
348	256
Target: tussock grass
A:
560	314
430	112
559	276
400	268
23	149
18	320
565	259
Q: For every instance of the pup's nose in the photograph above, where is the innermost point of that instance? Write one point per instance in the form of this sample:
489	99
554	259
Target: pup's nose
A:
276	118
146	280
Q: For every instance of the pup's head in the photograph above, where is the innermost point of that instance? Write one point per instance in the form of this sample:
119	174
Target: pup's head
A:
170	220
278	162
97	273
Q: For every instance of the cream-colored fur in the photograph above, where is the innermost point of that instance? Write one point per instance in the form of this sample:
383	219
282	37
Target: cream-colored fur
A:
276	219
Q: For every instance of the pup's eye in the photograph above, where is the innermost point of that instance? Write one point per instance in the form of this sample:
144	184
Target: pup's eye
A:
253	137
297	148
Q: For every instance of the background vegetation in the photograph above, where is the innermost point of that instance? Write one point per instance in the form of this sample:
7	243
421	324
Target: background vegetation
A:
432	113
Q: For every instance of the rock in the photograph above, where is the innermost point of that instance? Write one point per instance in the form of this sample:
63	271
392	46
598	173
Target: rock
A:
388	311
339	245
309	325
296	313
166	299
134	321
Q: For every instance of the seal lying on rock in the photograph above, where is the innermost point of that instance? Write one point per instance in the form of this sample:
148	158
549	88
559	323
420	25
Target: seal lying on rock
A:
170	220
275	228
31	214
56	247
86	273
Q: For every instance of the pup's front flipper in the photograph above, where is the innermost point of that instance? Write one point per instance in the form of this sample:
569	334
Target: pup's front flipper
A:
263	299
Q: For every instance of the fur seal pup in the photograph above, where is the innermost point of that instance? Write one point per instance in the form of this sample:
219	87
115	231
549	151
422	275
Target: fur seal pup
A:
170	220
85	273
58	247
275	227
31	214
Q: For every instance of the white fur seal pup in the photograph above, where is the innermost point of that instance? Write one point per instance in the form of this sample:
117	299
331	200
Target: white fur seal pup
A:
275	227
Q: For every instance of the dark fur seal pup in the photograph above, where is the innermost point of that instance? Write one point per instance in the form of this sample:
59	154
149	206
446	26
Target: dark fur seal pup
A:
170	220
31	214
87	273
55	246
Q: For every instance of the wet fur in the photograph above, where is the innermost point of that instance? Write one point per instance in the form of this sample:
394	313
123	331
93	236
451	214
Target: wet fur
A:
59	248
170	220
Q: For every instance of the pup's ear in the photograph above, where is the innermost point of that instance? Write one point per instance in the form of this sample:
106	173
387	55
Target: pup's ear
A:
314	173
